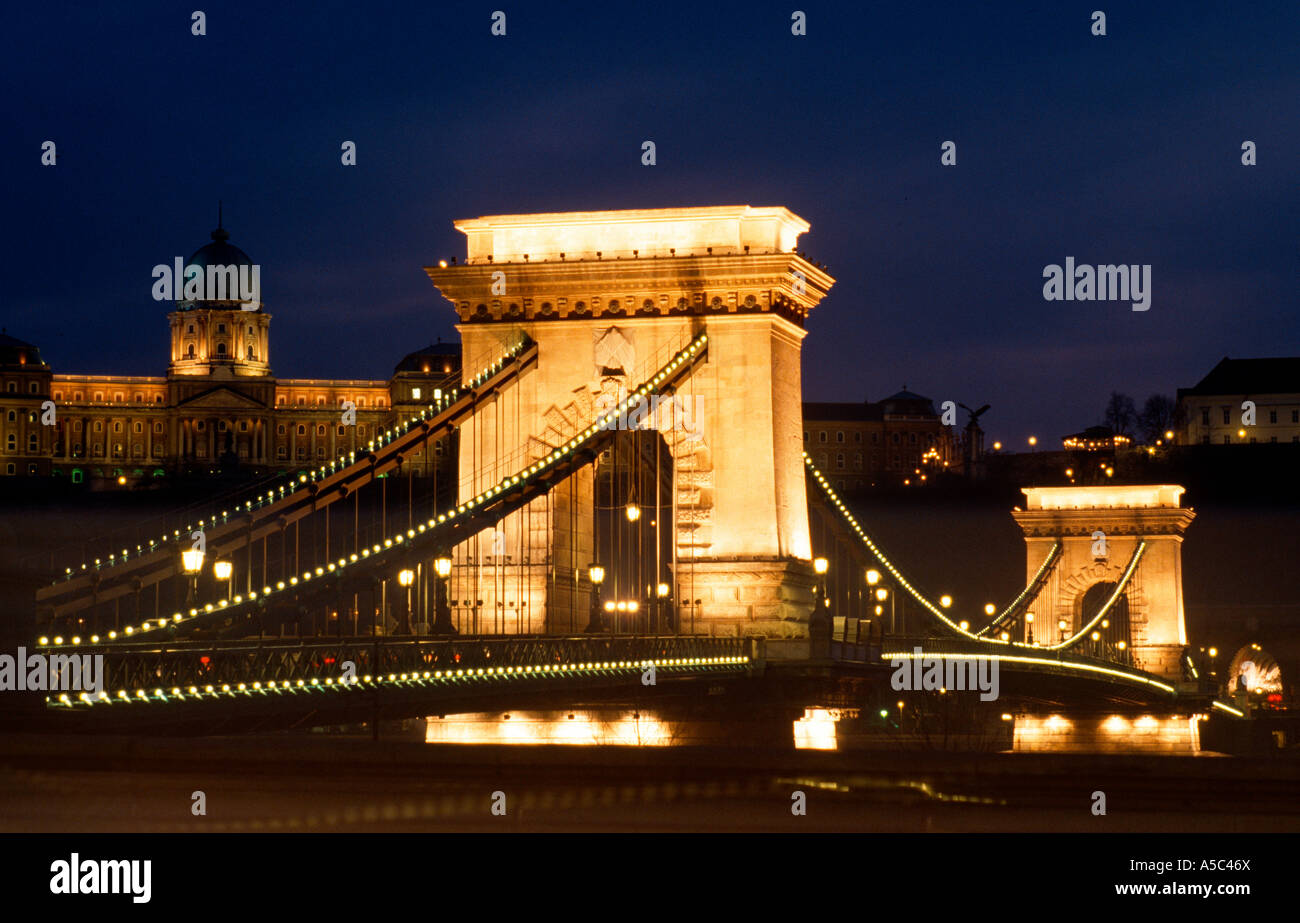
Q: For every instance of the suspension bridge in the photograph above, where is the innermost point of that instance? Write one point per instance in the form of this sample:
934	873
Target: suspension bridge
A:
632	501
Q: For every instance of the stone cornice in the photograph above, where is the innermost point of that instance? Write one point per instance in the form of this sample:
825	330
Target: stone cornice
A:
1152	521
623	288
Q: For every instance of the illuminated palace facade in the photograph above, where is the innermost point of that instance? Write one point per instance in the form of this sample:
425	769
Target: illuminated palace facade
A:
219	405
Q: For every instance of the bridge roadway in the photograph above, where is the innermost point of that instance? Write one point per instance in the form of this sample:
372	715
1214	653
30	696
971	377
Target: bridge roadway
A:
250	685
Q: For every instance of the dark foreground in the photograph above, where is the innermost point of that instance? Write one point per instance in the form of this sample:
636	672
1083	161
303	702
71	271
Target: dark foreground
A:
323	783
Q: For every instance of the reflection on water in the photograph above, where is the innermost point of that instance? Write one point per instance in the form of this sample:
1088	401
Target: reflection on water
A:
605	727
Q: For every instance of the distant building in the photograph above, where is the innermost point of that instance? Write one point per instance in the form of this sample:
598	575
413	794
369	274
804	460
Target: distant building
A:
877	443
1212	411
218	406
1096	439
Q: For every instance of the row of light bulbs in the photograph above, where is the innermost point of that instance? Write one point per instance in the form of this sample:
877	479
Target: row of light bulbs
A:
329	682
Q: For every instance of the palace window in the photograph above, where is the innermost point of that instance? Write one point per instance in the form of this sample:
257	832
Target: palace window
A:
139	398
221	328
320	451
320	429
279	430
821	437
13	416
1226	418
221	349
805	435
302	401
857	461
99	397
158	427
98	450
117	398
415	394
11	443
302	430
138	427
839	460
281	453
243	426
341	428
191	329
895	438
32	387
1272	416
12	387
1295	416
78	396
250	354
302	452
839	436
99	426
189	351
911	438
857	436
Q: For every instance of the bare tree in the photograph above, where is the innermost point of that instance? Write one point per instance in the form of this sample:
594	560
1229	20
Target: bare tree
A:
1159	415
1121	414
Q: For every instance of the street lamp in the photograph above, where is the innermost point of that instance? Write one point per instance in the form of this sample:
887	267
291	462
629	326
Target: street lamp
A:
633	512
597	574
946	601
223	570
661	599
405	577
1029	624
192	563
989	608
819	623
873	577
442	612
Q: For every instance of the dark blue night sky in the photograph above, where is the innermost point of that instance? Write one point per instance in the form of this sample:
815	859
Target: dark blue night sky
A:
1122	149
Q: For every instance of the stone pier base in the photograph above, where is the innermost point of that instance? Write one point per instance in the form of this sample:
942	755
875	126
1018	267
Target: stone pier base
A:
748	597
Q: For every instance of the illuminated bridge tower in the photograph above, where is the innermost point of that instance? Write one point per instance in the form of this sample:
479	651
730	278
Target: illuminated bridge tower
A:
1146	618
609	297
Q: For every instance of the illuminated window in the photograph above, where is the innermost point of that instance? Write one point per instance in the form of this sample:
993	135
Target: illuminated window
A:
415	395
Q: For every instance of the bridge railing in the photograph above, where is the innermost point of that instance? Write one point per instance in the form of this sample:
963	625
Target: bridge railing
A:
242	665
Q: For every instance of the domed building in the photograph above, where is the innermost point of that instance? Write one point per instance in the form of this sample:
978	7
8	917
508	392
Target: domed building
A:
219	406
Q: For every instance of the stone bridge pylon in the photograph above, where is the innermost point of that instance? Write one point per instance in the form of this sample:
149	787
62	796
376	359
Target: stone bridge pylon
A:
609	297
1100	529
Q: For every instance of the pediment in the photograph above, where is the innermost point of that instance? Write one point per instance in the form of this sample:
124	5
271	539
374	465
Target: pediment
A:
221	398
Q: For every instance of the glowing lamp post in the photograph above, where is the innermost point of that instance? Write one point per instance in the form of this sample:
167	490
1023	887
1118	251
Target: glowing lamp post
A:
192	563
661	602
819	623
442	612
405	578
224	570
597	574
